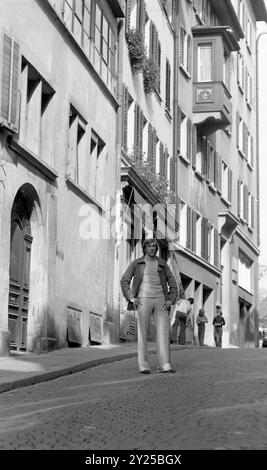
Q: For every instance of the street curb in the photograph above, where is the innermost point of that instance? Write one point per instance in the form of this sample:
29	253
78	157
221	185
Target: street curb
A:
35	379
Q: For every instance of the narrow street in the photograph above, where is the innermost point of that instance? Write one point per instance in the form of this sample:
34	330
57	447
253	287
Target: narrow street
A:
216	400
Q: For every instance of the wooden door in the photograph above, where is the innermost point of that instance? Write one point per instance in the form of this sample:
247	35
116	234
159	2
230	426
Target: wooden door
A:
20	251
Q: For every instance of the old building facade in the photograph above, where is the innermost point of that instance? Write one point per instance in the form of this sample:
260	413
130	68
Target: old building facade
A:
122	120
58	171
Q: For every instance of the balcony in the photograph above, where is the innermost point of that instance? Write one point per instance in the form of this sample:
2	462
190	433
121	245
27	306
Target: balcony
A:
212	104
212	71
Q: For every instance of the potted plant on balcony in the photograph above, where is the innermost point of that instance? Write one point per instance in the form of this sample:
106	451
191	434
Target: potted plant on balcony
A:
137	50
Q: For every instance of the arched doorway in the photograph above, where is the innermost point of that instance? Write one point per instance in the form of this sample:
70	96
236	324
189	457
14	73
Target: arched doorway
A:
19	273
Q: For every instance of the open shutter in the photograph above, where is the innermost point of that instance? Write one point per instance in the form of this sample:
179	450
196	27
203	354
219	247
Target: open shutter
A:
219	187
194	230
10	82
161	160
194	145
127	15
245	196
125	98
216	248
189	228
245	138
155	139
237	130
189	54
172	174
230	179
251	150
252	211
238	198
189	139
178	136
136	129
204	145
150	143
141	17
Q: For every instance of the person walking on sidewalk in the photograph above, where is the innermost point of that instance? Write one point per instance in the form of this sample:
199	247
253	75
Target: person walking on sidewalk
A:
201	320
154	290
218	323
181	317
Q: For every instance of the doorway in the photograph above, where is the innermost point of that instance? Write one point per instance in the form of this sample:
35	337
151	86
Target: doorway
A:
19	273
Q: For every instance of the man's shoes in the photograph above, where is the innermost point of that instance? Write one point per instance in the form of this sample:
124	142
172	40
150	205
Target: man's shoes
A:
146	371
168	371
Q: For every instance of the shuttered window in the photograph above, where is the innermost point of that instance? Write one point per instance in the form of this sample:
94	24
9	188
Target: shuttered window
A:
155	50
216	248
185	50
138	131
168	87
141	17
9	85
125	103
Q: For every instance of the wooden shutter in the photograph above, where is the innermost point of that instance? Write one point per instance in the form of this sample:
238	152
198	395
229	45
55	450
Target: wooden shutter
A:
166	157
127	15
194	230
252	150
245	203
230	178
194	145
10	81
141	17
237	130
161	160
238	198
208	169
168	86
189	228
178	134
155	139
216	248
136	129
150	143
151	39
244	143
189	139
172	174
204	238
219	186
252	211
204	156
181	48
125	100
189	54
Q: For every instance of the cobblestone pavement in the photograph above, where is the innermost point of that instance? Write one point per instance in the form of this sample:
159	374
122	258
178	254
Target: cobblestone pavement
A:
216	400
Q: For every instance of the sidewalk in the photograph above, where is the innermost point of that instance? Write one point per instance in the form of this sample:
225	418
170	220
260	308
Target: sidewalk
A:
22	369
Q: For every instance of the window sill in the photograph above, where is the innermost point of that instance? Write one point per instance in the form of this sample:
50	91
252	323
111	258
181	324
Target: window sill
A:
225	201
241	153
33	159
199	175
168	114
240	88
251	230
249	105
184	71
83	193
242	220
184	159
212	188
157	95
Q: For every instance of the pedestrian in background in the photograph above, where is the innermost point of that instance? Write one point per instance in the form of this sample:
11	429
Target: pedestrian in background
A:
218	323
201	320
154	290
180	317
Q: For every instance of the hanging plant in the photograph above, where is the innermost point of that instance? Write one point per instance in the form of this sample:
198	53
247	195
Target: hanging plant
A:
150	75
137	50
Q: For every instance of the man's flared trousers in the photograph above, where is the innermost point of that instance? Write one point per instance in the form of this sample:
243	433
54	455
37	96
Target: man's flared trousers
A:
162	320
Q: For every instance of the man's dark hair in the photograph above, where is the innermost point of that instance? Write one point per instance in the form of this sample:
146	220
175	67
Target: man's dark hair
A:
147	242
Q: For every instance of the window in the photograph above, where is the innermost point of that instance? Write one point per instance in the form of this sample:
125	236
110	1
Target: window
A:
204	73
93	30
168	87
36	128
185	53
77	17
244	272
76	168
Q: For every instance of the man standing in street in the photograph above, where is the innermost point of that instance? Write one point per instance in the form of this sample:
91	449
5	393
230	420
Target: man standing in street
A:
218	323
154	290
